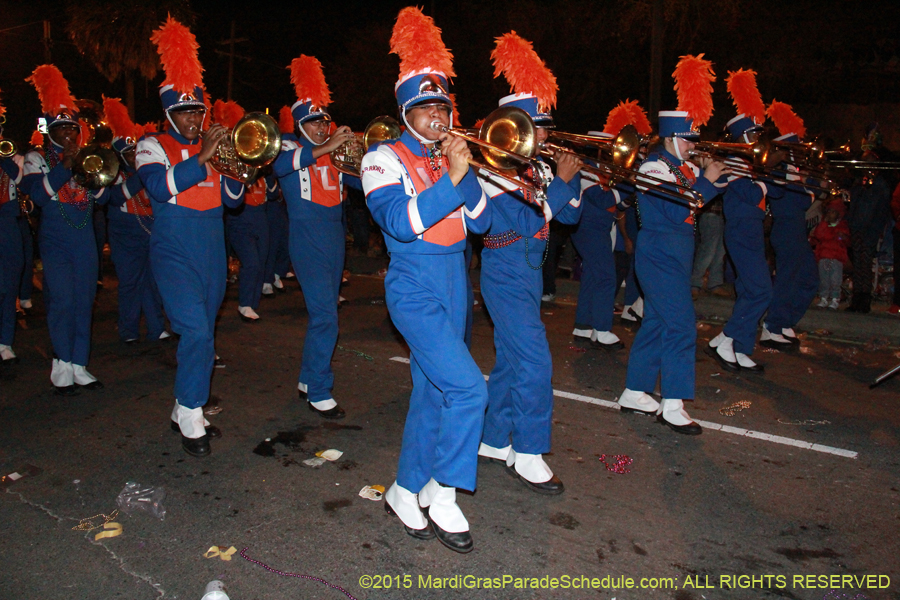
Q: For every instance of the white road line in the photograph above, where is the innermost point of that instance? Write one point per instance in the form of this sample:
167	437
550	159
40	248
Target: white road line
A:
758	435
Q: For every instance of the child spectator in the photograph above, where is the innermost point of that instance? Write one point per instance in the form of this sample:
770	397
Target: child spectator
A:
830	239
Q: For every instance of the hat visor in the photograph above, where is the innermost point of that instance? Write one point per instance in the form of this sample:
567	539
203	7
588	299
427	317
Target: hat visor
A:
186	105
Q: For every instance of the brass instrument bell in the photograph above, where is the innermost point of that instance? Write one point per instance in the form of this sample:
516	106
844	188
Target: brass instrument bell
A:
253	143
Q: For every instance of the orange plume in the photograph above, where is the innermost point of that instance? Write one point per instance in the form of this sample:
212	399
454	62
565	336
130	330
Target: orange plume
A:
285	120
37	139
118	120
417	41
526	73
2	110
694	77
177	49
309	81
227	113
52	89
741	85
785	119
627	113
149	127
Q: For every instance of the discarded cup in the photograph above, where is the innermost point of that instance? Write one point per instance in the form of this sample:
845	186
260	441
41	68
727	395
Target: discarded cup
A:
215	590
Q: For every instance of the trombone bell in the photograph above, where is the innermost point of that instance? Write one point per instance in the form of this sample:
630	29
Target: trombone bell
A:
512	131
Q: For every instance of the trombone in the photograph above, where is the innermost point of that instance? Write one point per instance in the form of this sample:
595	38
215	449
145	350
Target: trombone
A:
623	150
507	141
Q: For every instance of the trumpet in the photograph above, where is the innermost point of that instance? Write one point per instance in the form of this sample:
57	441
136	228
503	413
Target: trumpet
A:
507	141
622	152
347	158
253	143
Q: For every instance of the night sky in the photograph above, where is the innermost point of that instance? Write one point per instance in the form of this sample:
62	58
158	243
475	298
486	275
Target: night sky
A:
806	54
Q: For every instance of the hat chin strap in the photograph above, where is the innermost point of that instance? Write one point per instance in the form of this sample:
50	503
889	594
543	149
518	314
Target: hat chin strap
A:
306	135
677	148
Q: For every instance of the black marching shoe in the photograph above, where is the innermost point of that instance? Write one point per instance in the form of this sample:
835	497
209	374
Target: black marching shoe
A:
211	430
66	390
725	364
613	347
689	429
198	447
551	487
419	534
94	385
458	542
332	413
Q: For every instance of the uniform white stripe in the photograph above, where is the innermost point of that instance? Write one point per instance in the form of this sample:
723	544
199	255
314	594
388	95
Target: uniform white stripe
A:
415	219
170	182
776	439
482	202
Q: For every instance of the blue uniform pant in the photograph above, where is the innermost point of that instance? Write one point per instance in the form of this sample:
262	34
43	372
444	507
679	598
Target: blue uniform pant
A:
27	281
278	261
745	242
710	253
129	247
100	237
248	234
317	253
796	274
426	297
597	293
70	281
665	345
11	264
520	395
187	256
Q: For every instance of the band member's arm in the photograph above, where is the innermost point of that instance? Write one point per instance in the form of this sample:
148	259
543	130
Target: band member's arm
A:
232	192
12	165
162	181
41	183
402	213
292	157
671	208
352	182
120	193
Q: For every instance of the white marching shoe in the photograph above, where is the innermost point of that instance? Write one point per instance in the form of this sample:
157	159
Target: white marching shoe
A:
531	470
632	401
84	379
672	413
7	355
248	315
192	424
495	454
606	340
823	302
62	376
267	290
777	341
438	502
747	364
402	503
721	348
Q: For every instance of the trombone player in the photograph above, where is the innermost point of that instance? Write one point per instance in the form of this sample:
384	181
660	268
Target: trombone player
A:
313	191
187	248
12	258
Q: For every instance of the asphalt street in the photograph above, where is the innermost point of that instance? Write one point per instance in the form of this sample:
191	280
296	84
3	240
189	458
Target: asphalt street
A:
792	490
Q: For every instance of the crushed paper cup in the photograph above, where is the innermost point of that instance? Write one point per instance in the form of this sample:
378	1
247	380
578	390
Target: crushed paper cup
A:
330	455
316	461
372	492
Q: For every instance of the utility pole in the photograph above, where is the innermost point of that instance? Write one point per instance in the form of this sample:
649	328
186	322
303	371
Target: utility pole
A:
657	35
47	42
231	41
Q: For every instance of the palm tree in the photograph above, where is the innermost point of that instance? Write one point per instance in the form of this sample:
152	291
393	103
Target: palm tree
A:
115	36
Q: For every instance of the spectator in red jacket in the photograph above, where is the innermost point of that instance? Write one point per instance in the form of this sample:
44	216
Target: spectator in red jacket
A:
831	238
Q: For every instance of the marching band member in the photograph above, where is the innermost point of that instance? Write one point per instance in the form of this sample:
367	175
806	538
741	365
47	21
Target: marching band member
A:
313	191
187	248
665	346
424	198
744	203
796	272
130	227
517	422
66	234
600	215
247	227
12	258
